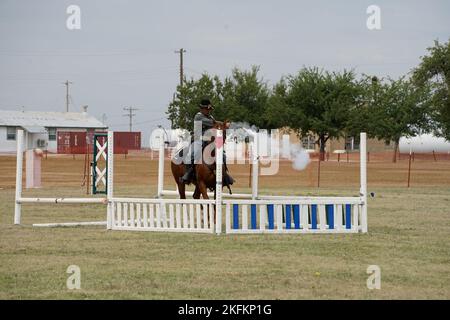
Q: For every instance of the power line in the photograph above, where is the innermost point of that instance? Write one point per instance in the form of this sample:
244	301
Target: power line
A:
141	122
52	53
130	114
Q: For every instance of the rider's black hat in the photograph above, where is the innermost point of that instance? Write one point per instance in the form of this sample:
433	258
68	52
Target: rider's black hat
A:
205	103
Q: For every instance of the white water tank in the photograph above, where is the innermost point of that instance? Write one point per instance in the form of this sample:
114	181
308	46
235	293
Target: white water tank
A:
425	143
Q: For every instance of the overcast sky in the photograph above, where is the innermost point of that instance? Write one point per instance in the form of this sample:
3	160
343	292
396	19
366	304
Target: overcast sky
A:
123	55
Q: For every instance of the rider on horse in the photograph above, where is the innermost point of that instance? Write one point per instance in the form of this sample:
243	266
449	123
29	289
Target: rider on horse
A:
207	122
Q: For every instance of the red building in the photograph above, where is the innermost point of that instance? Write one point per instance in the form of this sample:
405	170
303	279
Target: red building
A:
70	142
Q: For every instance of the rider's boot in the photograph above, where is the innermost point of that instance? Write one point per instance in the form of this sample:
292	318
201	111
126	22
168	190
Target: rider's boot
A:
189	170
227	179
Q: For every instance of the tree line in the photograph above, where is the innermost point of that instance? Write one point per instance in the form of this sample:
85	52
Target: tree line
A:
327	104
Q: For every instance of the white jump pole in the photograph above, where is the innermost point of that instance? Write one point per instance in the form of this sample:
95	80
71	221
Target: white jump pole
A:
19	164
68	224
110	181
219	164
363	172
255	166
161	167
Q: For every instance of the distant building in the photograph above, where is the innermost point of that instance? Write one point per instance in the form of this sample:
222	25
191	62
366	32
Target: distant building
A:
42	128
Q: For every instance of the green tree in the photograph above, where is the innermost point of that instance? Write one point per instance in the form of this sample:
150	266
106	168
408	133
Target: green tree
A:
243	96
321	103
395	108
184	106
434	71
276	114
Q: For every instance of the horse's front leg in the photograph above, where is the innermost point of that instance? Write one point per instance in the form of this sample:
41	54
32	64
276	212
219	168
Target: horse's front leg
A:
196	194
181	190
204	192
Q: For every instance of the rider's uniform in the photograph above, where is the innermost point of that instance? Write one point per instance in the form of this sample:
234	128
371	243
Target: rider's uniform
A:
202	123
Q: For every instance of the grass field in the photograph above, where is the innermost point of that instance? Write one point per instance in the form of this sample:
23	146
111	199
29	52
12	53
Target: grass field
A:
409	231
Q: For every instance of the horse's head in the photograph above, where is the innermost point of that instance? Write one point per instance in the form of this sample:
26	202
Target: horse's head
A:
222	125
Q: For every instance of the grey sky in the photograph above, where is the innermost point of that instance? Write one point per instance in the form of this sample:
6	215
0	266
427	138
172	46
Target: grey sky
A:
124	53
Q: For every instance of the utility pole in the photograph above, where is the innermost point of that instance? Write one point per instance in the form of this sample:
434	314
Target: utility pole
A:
67	83
181	51
130	114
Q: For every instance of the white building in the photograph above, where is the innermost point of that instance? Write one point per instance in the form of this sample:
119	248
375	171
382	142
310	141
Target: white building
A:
41	128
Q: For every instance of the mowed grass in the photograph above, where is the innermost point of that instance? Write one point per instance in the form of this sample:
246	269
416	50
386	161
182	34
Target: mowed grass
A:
408	239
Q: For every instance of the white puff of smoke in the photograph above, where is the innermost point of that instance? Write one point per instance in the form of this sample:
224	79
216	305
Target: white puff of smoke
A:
241	131
300	158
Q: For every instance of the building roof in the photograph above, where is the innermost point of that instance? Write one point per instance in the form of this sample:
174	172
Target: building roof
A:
49	119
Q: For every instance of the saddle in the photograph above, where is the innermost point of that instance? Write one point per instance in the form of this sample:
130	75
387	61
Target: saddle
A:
184	150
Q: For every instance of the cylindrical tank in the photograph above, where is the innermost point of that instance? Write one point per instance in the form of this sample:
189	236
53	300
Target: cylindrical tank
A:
424	143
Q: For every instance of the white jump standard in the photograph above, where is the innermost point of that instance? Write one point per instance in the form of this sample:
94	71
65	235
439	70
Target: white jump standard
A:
20	200
255	214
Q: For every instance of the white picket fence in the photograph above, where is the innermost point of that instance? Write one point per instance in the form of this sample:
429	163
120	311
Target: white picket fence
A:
170	215
295	215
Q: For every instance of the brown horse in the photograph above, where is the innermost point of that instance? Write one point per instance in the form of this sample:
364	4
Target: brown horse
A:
205	176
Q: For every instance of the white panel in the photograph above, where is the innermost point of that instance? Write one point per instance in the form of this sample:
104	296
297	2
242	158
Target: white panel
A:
178	215
205	216
279	216
322	217
138	215
262	217
158	215
304	216
171	216
113	214
152	215
338	210
145	213
212	214
125	214
227	217
119	214
164	215
185	216
132	221
199	216
355	222
191	216
244	217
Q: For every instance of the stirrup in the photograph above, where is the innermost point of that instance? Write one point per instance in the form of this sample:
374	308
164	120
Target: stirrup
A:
228	180
187	177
